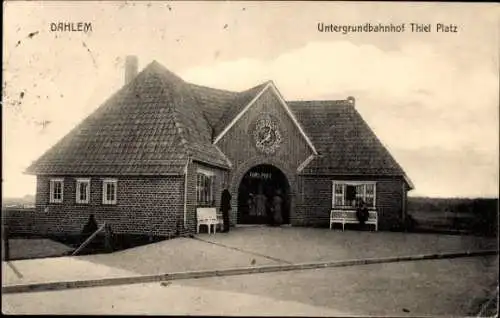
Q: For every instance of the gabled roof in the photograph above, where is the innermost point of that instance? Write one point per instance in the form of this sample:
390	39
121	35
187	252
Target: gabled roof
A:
150	126
236	106
214	102
246	100
346	144
157	123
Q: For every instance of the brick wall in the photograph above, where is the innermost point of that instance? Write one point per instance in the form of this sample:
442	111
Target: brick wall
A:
239	146
145	205
314	201
220	179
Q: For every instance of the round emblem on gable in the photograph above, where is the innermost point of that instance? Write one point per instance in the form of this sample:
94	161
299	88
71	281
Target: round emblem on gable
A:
266	134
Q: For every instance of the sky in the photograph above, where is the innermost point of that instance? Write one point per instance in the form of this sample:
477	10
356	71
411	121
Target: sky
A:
431	97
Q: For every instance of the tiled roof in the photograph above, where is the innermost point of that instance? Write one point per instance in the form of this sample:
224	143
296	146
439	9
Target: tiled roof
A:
153	125
214	102
345	143
235	106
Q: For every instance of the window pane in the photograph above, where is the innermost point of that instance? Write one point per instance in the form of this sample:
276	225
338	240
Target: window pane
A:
350	195
369	201
338	200
83	191
360	191
369	189
211	189
338	188
57	190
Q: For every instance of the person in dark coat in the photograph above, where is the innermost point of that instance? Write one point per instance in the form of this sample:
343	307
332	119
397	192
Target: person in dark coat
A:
362	213
225	206
276	208
89	228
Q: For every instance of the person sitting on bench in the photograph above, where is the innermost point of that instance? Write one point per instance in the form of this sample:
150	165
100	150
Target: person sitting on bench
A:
362	213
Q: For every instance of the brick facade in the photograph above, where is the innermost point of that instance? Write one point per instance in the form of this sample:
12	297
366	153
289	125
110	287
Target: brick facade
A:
239	146
315	200
145	205
220	180
166	205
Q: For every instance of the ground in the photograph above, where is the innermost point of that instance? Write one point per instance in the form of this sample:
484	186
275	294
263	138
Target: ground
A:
421	288
35	248
449	287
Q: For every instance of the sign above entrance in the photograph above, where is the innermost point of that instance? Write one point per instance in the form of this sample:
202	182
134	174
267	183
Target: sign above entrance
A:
266	134
260	175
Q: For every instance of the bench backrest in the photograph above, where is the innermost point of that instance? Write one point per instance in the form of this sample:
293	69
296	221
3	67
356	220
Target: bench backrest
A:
351	214
206	214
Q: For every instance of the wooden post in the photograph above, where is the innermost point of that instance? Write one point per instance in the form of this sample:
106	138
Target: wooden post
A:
6	243
108	238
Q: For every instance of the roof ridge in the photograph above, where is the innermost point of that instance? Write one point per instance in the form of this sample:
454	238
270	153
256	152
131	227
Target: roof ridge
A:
262	86
163	71
255	86
333	101
212	88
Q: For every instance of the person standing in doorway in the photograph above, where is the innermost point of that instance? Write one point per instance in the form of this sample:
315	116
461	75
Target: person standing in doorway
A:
260	203
276	208
251	205
225	206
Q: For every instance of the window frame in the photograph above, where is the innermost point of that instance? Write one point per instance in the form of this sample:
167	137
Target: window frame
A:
364	196
205	188
52	182
105	200
79	182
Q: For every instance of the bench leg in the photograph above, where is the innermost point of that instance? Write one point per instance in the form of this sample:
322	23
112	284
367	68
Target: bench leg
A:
330	225
198	229
343	226
215	228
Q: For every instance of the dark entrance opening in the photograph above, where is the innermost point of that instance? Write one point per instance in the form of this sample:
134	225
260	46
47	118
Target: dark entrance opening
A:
255	195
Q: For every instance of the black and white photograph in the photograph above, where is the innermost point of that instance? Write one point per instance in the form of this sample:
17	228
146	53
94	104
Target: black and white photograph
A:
250	158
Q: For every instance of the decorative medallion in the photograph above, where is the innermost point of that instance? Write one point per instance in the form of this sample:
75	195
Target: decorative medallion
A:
266	134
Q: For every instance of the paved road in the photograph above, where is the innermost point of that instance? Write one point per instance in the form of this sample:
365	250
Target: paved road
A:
450	287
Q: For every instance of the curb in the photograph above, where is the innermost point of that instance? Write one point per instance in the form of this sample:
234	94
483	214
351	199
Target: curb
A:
34	287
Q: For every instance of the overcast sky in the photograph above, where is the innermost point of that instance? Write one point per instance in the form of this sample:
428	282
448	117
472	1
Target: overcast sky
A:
431	97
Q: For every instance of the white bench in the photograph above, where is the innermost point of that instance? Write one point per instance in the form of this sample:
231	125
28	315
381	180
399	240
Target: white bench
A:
349	216
208	217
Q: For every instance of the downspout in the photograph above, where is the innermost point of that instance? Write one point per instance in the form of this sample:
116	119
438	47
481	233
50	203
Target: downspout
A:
185	192
404	199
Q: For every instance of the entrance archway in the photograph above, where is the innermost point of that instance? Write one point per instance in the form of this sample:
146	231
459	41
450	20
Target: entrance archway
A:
267	181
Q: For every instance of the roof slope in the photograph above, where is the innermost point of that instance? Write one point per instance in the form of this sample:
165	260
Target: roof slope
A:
154	124
235	106
150	126
346	145
214	102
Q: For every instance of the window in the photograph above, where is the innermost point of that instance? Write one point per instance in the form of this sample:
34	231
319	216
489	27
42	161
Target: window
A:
82	190
347	193
56	190
205	182
109	191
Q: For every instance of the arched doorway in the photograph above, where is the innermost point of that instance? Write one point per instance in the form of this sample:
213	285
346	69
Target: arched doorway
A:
264	180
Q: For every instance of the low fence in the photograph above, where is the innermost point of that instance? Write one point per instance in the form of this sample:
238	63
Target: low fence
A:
19	221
